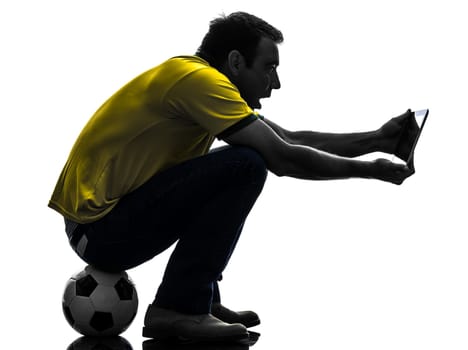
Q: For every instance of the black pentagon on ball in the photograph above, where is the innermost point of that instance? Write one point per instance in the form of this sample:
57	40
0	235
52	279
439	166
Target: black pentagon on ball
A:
85	286
124	289
68	314
101	321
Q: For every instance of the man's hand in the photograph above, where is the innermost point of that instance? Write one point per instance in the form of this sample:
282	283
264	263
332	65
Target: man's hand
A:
385	170
398	135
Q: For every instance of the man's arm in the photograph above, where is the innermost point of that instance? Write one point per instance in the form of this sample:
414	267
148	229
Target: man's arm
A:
385	139
346	145
304	162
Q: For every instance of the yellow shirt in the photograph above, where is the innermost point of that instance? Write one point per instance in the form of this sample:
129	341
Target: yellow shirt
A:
163	117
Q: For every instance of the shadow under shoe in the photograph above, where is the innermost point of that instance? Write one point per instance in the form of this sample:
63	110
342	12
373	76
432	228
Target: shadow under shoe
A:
247	318
165	324
173	344
155	344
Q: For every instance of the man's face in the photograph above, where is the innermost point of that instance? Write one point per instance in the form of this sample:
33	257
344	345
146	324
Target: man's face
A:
257	81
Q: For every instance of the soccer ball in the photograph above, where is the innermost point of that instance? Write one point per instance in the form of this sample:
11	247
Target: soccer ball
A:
98	303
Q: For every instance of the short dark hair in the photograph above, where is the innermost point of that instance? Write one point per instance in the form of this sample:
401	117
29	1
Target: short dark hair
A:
238	31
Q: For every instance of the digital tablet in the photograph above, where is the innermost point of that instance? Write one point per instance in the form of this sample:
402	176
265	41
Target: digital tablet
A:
419	119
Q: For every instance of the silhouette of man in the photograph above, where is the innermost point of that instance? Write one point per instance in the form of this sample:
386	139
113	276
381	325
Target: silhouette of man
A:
141	175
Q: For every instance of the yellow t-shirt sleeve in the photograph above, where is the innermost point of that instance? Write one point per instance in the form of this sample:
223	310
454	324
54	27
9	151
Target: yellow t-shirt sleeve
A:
207	98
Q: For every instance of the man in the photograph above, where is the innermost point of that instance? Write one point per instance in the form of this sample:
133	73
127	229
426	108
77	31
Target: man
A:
140	176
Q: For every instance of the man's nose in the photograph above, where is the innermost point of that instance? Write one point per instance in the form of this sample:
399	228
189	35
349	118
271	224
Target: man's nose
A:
275	82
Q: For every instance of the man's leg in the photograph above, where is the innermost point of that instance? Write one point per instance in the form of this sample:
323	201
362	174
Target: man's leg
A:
208	239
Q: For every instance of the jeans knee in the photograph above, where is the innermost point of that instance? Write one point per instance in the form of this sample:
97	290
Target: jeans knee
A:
254	163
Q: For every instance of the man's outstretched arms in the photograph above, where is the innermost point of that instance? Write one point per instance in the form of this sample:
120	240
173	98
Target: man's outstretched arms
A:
346	145
301	161
385	139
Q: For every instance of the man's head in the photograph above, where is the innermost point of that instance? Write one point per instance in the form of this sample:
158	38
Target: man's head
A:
244	48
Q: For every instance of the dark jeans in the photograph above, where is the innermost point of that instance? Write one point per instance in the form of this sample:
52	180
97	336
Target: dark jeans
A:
201	203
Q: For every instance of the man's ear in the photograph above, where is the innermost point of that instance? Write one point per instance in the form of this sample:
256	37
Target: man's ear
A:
235	62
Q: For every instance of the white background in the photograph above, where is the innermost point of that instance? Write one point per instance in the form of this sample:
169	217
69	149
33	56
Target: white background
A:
355	264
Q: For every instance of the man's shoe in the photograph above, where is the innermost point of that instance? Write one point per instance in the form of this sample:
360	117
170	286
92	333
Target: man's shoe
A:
163	323
247	318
